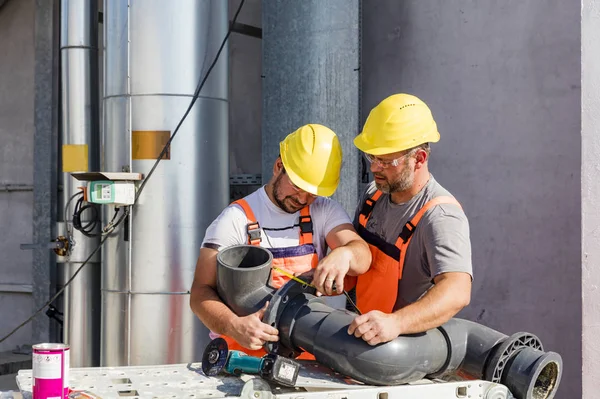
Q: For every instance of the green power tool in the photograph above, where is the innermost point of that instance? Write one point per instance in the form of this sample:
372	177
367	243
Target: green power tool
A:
218	359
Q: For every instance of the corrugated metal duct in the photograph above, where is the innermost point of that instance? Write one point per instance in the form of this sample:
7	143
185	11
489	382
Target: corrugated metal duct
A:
155	53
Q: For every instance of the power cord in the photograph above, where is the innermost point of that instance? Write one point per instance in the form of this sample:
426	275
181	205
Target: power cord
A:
111	226
58	293
87	229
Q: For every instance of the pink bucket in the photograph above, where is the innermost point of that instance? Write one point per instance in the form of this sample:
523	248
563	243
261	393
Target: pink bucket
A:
50	371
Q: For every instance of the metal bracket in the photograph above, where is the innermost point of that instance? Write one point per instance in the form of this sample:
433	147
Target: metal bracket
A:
245	180
60	246
245	29
114	176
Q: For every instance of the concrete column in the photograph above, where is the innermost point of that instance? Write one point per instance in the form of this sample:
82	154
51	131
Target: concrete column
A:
590	195
311	75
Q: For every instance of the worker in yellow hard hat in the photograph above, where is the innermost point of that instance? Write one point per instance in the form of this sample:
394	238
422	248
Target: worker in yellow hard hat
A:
417	232
292	217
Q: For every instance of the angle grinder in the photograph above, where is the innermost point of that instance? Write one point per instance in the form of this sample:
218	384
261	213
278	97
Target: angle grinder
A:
218	359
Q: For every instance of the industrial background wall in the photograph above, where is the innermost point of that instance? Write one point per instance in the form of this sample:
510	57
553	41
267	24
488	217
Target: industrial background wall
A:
16	166
245	92
245	105
503	81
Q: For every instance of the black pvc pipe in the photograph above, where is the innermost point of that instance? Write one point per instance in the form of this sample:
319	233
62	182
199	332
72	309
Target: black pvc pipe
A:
469	346
323	331
307	323
243	272
533	374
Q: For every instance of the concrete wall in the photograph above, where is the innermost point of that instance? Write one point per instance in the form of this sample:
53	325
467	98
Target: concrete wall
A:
503	81
590	194
16	166
311	75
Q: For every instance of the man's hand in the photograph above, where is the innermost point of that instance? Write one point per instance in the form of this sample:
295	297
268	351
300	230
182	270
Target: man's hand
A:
250	332
331	270
375	327
350	255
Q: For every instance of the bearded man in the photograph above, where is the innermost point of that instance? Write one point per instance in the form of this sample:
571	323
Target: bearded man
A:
292	218
418	234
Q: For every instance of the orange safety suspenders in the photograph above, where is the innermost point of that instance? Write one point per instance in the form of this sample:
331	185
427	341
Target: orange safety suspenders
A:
377	289
253	227
293	260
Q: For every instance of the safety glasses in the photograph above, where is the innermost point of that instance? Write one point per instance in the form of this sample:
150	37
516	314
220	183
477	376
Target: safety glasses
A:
384	163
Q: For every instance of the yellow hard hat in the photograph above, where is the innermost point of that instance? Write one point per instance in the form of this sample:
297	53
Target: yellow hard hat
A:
312	157
397	123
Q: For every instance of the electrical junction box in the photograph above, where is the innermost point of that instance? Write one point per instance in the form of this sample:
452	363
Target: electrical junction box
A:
111	192
114	188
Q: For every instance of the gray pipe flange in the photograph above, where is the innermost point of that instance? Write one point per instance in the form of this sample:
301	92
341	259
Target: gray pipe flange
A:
506	350
280	300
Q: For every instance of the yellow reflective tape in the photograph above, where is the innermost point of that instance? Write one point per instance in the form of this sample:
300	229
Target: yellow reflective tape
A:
75	158
148	144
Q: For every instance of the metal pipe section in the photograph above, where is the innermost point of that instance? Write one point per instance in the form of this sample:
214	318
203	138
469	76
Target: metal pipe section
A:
9	188
80	144
457	348
155	54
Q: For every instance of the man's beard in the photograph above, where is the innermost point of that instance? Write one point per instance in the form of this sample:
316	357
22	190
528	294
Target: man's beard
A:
288	204
402	183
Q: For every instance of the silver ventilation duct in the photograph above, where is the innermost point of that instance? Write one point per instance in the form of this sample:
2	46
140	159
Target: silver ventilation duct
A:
155	53
80	149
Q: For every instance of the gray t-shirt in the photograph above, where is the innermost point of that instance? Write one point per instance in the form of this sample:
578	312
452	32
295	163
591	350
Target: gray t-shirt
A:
440	242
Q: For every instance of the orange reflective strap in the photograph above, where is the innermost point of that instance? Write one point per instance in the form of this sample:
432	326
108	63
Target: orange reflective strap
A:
367	208
247	210
430	204
252	228
407	233
403	248
306	226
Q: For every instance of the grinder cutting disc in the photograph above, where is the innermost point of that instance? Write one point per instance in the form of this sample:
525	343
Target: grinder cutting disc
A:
215	357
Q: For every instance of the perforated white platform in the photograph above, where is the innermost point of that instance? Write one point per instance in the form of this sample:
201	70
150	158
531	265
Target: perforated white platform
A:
314	381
